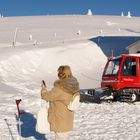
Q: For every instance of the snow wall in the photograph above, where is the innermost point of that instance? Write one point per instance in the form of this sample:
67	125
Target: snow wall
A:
24	68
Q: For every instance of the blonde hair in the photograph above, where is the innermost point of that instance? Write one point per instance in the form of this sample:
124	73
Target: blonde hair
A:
64	72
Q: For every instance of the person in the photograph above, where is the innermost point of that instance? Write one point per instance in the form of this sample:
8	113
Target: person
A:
59	116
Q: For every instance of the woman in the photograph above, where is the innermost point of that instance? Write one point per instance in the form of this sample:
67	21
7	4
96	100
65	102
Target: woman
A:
59	117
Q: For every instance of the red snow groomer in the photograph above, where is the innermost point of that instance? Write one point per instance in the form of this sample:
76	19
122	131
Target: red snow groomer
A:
121	78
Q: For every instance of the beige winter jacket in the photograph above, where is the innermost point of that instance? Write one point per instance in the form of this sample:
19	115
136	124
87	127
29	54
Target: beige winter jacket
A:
59	117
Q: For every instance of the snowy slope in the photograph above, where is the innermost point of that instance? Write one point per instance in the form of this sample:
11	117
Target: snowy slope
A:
54	29
41	45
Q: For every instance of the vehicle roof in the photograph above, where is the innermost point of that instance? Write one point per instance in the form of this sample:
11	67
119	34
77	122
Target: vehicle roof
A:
125	55
135	55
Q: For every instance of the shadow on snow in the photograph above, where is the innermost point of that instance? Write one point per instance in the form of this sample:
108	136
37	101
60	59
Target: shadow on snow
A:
28	123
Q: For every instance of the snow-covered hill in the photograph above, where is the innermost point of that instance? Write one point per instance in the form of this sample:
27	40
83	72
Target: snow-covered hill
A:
43	43
49	30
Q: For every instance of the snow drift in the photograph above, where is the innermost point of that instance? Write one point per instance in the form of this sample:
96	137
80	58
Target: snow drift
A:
42	63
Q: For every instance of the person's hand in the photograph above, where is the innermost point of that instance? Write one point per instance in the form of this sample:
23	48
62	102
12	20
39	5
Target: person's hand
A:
43	89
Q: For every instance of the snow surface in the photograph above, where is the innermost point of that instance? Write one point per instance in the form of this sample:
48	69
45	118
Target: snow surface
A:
41	45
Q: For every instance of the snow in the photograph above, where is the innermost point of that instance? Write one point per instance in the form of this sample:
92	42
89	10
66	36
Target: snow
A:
89	12
43	44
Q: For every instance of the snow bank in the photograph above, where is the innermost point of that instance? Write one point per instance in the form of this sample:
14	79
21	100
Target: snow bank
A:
86	59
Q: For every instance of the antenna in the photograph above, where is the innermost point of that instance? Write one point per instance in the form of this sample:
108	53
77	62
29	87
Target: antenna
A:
112	53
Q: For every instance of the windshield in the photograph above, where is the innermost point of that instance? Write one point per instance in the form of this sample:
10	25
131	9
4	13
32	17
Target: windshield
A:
113	67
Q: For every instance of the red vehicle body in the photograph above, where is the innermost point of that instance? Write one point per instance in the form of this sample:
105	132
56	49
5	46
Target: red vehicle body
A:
121	77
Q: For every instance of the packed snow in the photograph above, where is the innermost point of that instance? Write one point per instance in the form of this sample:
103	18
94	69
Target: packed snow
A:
32	48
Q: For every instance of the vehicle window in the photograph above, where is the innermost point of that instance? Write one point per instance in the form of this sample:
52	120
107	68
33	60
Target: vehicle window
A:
129	67
113	67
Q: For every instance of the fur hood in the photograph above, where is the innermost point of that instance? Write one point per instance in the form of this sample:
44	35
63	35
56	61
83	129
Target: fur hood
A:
69	85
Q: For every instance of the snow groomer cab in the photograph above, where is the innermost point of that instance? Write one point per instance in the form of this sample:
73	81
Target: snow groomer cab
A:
121	78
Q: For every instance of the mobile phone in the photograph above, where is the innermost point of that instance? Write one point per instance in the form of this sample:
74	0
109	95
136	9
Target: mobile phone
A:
44	83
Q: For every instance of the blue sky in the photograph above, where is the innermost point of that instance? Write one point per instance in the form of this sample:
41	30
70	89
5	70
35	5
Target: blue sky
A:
61	7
